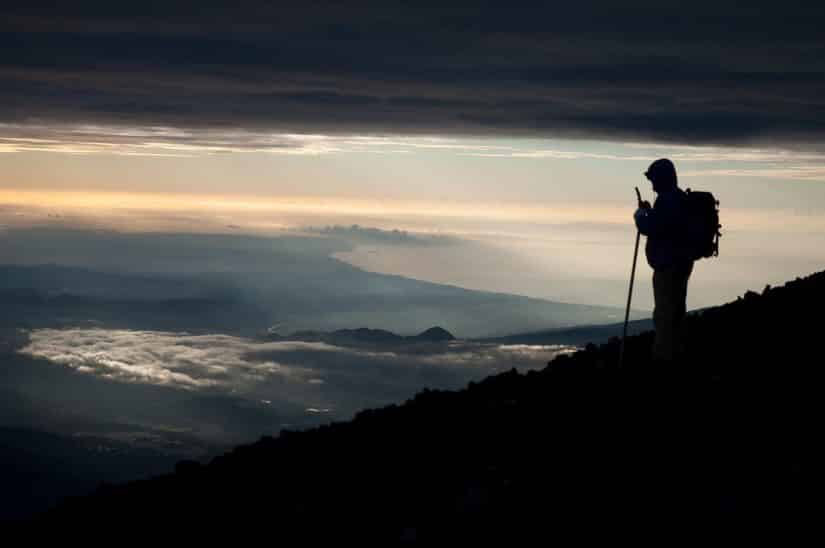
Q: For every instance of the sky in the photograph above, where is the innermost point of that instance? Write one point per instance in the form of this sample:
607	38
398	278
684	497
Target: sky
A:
521	131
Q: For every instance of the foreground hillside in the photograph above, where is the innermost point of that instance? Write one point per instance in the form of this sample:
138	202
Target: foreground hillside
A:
579	448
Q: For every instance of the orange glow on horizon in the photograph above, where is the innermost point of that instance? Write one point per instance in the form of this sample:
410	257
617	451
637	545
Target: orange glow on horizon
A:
102	203
127	201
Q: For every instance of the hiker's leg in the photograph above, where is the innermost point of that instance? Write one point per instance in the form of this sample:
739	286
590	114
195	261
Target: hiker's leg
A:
680	286
663	314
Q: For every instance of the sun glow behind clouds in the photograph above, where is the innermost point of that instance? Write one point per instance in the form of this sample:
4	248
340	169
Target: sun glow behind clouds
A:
66	201
134	211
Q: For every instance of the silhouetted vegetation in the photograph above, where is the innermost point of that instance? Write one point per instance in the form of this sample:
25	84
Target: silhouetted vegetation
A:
724	439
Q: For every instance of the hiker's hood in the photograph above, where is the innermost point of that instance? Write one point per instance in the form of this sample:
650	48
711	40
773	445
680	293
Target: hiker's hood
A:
662	174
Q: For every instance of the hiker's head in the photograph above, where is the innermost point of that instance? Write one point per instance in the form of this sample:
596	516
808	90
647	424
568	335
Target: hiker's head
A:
662	174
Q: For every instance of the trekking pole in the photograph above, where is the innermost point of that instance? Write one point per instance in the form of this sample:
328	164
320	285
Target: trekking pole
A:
630	291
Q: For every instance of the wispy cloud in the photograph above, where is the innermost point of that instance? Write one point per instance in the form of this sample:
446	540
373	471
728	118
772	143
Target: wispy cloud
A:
682	153
161	141
773	163
171	142
167	359
559	155
156	141
239	365
788	172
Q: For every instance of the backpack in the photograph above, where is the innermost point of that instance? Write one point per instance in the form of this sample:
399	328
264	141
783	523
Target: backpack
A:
702	224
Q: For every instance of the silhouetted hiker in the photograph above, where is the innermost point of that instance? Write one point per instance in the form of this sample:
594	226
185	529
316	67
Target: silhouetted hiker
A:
668	256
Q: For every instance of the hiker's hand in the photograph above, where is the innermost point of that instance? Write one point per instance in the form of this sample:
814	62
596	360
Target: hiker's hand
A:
645	205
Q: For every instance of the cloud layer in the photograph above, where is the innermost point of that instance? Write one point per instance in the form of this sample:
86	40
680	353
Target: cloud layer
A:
704	73
317	376
166	359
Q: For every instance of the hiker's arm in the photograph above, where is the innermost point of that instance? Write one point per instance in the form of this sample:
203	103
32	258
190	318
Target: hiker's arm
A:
660	220
646	220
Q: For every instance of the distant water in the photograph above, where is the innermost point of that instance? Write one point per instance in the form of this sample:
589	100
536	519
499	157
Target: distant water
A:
539	273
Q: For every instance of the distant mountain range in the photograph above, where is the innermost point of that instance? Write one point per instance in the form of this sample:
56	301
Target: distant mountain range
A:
29	308
366	336
581	450
571	336
244	284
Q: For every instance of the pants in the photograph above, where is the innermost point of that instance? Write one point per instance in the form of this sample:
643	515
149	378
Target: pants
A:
670	295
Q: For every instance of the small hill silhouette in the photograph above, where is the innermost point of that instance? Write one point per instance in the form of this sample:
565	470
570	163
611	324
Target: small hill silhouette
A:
366	336
580	448
435	334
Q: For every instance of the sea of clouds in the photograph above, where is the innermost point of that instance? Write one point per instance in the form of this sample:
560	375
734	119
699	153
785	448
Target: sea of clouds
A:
318	376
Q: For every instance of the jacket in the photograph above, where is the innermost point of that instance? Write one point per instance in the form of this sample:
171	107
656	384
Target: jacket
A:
663	224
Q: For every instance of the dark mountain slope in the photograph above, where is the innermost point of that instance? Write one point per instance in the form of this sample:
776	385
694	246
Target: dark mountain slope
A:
580	448
37	468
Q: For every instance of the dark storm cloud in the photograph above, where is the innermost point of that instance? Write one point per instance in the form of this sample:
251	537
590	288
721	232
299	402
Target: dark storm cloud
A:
702	73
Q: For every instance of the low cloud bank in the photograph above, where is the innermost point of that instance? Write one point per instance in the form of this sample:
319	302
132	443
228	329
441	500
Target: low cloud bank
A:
317	376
